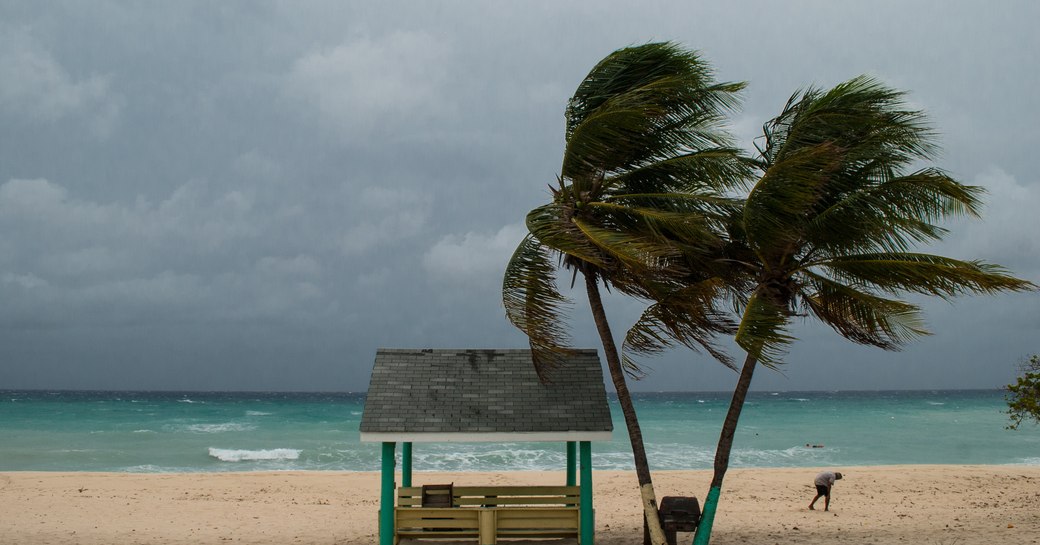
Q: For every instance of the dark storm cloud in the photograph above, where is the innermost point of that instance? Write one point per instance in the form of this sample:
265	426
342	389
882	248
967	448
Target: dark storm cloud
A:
257	195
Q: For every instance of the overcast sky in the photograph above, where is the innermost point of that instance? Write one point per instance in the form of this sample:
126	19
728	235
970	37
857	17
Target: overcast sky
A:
257	195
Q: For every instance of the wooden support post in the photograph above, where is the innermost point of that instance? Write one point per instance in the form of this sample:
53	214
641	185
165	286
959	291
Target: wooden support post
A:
386	496
487	525
572	454
406	464
587	523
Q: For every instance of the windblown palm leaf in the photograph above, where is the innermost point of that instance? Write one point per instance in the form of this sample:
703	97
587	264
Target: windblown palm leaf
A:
860	316
690	316
923	273
534	304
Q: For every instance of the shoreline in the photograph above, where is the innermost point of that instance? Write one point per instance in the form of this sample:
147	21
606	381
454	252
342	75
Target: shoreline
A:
418	471
881	505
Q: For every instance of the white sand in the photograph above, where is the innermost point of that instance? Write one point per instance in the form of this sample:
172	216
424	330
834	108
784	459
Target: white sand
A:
889	505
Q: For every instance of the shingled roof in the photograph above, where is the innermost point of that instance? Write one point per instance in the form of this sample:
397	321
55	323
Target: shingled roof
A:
483	395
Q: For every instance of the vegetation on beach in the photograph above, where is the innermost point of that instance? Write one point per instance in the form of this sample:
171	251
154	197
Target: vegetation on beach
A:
1023	397
822	222
828	231
644	153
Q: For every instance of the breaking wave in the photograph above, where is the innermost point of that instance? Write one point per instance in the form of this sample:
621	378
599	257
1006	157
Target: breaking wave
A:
219	428
233	455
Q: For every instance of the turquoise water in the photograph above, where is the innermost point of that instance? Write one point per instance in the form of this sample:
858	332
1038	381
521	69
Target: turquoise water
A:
171	431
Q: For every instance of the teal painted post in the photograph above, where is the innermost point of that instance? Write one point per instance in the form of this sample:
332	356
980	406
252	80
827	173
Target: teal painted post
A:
406	464
703	535
588	523
386	496
572	454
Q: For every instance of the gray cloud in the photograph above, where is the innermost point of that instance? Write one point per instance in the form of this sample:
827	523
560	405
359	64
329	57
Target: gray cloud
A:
382	216
257	195
368	84
473	256
37	86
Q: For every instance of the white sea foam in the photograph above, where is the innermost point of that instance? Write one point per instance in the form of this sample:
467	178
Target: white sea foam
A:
257	413
153	468
144	431
145	468
186	400
219	428
481	458
235	455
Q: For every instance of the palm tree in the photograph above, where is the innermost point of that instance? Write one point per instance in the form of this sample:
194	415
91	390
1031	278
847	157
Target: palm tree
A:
644	160
827	232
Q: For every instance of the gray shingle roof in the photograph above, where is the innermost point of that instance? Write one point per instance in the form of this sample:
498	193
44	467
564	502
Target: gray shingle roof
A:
482	391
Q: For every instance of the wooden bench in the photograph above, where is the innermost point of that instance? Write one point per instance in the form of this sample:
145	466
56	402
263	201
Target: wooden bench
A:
489	513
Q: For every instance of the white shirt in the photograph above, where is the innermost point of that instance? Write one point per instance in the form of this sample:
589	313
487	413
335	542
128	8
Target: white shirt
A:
826	479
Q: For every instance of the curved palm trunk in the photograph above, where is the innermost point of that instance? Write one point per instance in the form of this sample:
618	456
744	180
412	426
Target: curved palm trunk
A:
729	429
617	376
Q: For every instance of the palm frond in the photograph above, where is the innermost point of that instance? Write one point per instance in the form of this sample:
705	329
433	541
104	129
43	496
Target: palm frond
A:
706	204
892	215
627	71
829	150
535	306
776	208
689	228
688	316
862	317
762	331
641	105
895	272
609	141
633	250
713	211
554	227
862	116
717	171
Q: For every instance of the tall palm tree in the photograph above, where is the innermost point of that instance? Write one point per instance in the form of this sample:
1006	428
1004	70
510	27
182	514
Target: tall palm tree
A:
644	160
828	231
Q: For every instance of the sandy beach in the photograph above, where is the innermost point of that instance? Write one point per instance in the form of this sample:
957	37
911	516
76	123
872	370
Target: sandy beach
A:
940	505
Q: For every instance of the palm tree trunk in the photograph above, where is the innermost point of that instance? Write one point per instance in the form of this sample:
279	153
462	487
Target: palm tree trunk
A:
617	376
729	429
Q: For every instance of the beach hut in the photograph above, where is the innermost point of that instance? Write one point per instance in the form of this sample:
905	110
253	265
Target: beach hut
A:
437	396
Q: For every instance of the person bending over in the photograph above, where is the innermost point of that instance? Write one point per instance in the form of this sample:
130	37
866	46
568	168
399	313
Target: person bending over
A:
824	481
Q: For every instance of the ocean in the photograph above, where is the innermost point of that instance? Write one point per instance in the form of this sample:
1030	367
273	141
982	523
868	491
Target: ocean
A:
156	432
